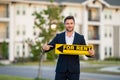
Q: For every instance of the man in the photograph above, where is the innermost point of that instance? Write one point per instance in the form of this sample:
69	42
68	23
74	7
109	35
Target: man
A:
68	67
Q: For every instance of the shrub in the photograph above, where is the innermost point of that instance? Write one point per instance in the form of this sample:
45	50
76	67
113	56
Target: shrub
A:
112	59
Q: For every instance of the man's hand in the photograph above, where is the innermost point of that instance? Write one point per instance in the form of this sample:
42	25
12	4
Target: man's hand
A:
46	47
91	52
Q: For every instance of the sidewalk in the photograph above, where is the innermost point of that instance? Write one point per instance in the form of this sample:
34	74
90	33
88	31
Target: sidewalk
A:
107	68
111	69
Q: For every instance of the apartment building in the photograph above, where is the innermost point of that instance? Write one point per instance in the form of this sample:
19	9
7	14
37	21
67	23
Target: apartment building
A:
97	20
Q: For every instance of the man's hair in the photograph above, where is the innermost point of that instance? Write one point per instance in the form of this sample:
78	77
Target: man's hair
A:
69	17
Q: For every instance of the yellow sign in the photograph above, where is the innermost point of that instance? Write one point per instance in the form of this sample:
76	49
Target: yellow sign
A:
73	49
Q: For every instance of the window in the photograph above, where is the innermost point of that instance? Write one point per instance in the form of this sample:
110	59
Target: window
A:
23	11
105	16
23	49
110	31
93	14
93	32
17	54
4	10
34	33
110	17
110	51
18	10
110	34
106	51
105	34
17	30
17	51
108	14
23	30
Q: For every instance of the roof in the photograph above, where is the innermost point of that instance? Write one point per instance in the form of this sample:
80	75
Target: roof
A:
75	1
113	2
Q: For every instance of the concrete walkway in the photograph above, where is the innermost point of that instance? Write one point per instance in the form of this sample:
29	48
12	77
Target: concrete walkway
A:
111	69
108	69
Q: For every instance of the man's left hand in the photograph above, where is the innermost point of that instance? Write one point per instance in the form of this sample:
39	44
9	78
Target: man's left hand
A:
91	52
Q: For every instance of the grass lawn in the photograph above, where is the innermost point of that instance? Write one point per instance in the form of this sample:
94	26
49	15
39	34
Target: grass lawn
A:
108	63
8	77
45	63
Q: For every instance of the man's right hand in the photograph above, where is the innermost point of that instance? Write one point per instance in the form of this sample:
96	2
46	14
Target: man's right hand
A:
46	47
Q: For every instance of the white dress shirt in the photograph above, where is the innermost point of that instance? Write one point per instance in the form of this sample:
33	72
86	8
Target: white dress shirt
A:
69	39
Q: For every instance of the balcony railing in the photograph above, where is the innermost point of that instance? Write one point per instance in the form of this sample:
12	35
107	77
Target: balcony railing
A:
93	19
95	37
3	15
3	35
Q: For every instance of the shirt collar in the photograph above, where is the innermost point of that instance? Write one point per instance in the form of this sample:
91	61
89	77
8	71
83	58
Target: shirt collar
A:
73	34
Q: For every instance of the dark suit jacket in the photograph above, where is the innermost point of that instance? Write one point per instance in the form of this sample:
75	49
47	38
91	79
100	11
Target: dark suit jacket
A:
68	62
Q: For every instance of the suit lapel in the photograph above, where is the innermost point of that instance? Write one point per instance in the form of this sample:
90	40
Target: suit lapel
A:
64	40
74	40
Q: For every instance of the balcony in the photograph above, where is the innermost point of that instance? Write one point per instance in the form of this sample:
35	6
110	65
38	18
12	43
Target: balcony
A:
3	30
93	32
93	14
4	11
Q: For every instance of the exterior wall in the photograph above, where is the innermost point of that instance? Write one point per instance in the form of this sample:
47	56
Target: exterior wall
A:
108	41
24	22
111	26
111	16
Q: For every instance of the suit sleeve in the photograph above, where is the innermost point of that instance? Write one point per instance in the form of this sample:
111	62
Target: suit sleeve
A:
53	42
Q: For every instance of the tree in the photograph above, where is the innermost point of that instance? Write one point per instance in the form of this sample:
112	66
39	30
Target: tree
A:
45	22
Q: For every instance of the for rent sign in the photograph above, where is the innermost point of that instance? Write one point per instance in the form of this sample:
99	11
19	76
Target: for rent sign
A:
73	49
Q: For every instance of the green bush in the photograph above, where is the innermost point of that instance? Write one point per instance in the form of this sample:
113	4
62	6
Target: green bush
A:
4	50
22	60
112	59
51	55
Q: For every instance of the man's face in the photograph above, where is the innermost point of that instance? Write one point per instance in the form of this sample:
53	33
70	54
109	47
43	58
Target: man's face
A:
69	25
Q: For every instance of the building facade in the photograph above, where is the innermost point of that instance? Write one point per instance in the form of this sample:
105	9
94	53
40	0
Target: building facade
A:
97	20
